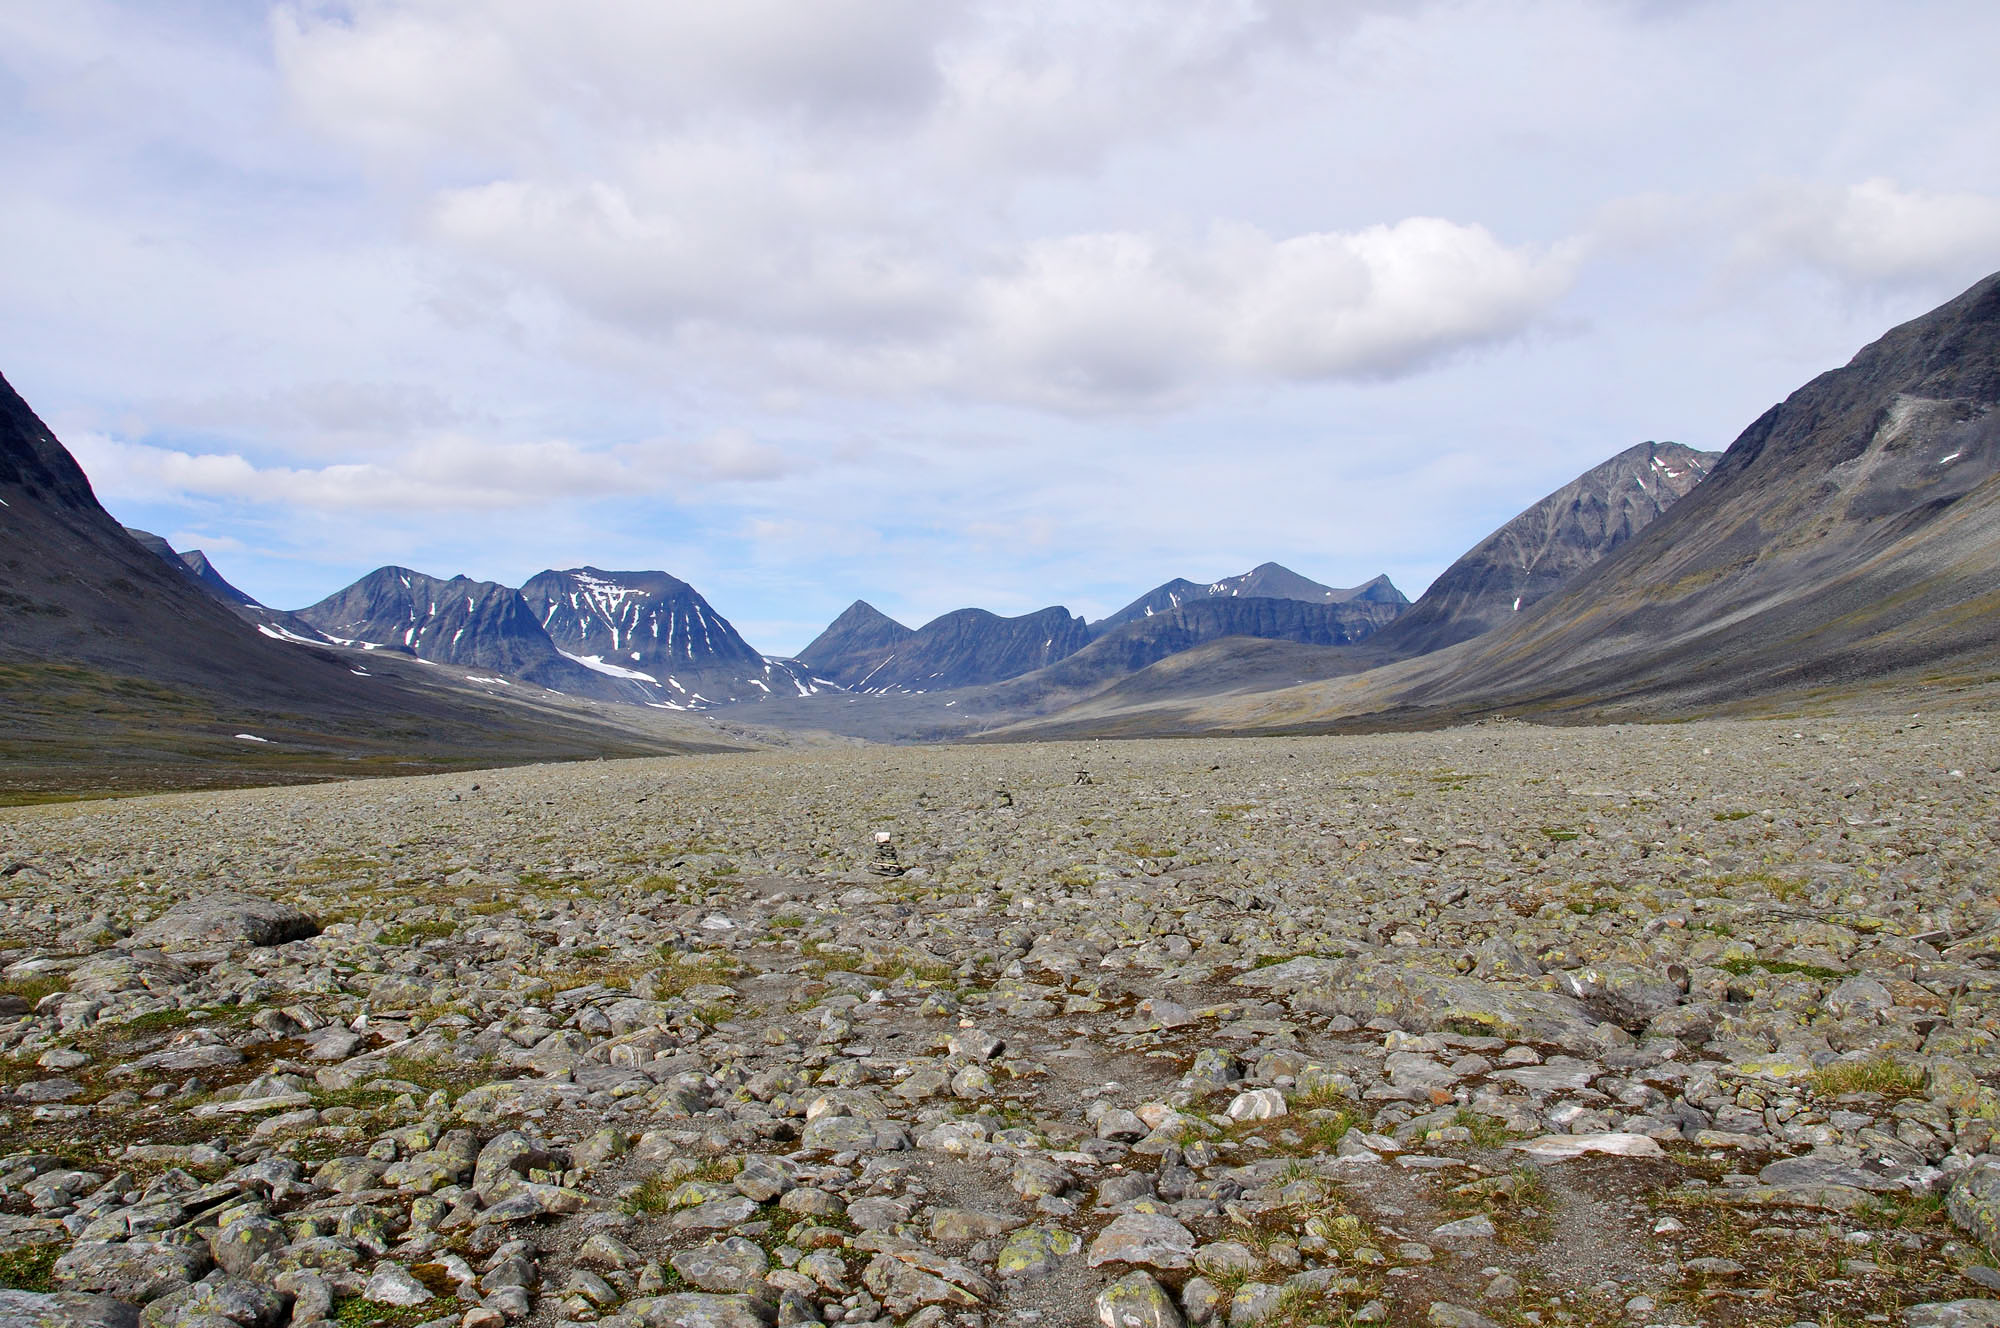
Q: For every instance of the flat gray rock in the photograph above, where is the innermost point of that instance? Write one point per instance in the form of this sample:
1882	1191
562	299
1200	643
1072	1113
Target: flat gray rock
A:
1150	1239
226	918
1954	1314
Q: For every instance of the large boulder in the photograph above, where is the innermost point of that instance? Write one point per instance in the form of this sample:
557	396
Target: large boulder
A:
226	918
1422	1000
28	1309
138	1270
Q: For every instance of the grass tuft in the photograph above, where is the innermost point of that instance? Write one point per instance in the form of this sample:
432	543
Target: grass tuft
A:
1882	1074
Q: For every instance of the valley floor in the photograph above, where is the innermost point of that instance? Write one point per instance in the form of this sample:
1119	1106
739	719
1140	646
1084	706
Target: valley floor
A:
1667	1024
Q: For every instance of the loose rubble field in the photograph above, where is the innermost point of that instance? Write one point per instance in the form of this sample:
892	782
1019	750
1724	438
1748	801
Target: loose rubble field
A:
1680	1024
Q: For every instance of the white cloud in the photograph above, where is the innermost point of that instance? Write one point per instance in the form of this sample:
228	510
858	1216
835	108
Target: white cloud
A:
411	79
1080	321
451	473
1875	231
696	177
1119	319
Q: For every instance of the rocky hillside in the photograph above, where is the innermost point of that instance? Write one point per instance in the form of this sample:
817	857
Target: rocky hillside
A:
1852	533
196	564
1144	641
218	585
1548	545
1848	539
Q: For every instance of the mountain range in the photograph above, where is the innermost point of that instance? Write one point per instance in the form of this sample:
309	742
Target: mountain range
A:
1847	542
1850	535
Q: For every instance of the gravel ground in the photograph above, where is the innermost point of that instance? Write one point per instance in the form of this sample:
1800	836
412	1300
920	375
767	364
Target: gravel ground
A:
1674	1024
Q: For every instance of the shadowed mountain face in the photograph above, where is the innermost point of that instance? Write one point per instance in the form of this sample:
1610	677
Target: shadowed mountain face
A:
1268	581
964	648
477	625
74	586
1139	643
1545	547
204	572
855	642
655	628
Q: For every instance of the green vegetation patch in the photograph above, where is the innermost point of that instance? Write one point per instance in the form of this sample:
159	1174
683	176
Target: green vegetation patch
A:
407	933
358	1312
1882	1074
29	1268
1745	967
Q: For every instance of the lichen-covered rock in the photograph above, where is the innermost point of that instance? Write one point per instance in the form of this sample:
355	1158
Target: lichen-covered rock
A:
239	1300
1033	1253
731	1265
1973	1202
1954	1314
909	1277
1137	1300
137	1270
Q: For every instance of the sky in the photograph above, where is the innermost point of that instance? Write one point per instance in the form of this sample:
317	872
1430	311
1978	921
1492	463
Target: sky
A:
938	303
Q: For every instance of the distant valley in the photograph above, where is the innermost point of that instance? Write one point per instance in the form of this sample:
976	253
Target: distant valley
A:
1849	534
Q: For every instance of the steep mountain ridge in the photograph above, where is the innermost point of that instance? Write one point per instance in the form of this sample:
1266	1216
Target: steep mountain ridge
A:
217	584
861	637
1546	546
196	564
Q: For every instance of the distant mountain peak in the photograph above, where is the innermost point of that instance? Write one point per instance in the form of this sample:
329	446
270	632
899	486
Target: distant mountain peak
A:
654	629
1268	580
867	650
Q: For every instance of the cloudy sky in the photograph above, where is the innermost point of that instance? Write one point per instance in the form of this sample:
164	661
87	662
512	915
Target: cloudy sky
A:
938	303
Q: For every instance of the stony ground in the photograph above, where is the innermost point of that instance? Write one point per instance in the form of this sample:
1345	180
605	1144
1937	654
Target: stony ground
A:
1688	1024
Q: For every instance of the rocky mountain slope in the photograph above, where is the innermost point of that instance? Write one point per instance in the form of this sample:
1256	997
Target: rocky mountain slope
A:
196	564
119	670
1265	581
471	624
1849	538
855	642
655	629
964	648
1545	547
